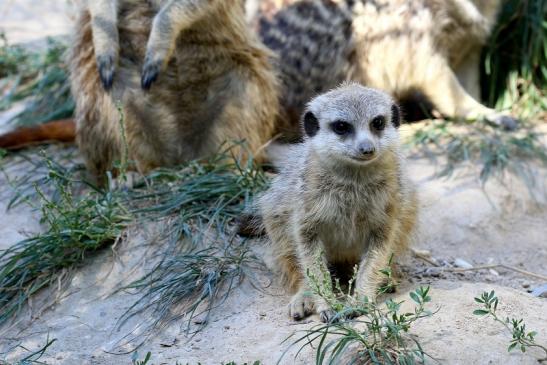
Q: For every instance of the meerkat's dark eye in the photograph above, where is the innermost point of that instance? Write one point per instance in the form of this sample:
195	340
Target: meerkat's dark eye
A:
341	128
378	123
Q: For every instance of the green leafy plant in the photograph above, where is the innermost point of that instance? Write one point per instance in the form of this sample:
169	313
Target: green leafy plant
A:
380	334
390	284
521	338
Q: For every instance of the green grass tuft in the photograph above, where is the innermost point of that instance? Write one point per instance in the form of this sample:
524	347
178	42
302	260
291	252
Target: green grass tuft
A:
494	151
75	227
197	206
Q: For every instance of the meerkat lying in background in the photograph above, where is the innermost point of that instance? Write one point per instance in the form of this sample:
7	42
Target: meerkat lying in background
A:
410	49
209	81
342	193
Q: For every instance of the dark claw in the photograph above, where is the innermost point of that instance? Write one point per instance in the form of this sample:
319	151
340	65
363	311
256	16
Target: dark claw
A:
296	317
106	66
150	74
327	316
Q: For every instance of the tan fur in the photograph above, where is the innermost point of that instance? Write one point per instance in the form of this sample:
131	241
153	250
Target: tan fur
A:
355	213
403	47
422	45
215	84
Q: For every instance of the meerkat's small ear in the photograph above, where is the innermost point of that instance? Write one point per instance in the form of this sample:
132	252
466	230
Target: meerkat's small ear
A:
395	116
311	124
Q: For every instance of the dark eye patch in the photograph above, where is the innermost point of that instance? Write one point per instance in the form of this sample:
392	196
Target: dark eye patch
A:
341	128
311	124
378	123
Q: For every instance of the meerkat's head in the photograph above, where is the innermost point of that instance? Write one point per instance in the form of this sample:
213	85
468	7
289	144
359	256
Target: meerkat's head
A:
351	124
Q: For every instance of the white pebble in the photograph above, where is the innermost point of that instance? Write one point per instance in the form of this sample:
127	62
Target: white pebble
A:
463	264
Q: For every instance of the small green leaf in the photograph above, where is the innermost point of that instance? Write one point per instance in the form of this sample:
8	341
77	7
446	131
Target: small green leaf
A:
511	347
415	297
480	312
479	300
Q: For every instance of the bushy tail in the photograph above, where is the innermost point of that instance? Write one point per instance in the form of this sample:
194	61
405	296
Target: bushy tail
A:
250	225
56	131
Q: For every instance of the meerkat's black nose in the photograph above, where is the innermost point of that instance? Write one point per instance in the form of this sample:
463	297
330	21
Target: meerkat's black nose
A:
367	148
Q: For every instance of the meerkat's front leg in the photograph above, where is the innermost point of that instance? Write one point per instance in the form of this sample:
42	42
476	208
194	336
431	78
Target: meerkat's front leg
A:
104	25
305	302
174	16
377	258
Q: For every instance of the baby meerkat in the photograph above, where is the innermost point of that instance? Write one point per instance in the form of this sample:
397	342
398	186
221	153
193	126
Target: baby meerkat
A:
342	193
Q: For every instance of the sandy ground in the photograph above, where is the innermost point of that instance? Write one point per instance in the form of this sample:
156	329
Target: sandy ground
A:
460	219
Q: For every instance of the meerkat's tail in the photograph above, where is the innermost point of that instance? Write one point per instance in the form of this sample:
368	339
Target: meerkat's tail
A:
250	225
58	131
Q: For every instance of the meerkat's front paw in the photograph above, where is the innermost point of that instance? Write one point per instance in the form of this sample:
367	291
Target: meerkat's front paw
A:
106	64
304	303
150	72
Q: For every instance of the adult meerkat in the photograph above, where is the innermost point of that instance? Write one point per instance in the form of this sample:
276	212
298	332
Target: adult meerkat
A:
429	48
207	80
314	44
342	192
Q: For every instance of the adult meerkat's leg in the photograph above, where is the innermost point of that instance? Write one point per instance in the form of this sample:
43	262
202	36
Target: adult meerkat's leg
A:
104	25
305	302
468	73
449	97
173	17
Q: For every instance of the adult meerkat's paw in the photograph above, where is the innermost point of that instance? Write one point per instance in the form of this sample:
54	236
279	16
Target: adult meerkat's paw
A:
106	64
150	71
504	121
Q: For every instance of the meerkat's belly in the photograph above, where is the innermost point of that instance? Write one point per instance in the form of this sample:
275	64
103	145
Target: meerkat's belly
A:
348	222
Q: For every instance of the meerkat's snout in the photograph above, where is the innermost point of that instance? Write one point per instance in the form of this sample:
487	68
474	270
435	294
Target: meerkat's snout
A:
366	149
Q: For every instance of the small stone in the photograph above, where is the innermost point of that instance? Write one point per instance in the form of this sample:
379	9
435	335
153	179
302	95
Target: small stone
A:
463	264
226	327
493	272
425	253
540	291
262	314
525	285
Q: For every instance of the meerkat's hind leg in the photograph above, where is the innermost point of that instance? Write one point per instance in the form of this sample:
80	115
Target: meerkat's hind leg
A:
468	73
442	87
167	25
104	25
